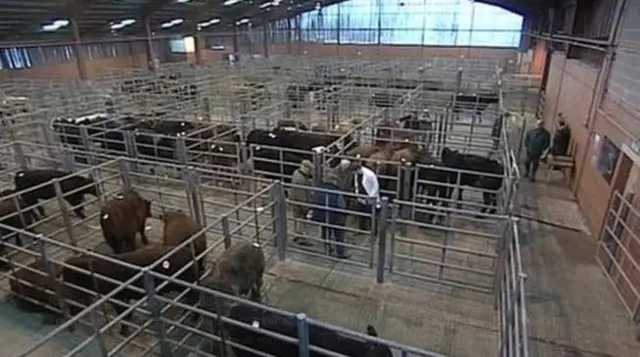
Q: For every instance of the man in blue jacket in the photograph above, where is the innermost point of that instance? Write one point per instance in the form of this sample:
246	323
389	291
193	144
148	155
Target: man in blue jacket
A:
536	141
330	208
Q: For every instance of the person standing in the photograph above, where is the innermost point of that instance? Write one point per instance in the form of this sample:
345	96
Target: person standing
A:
329	209
366	182
302	176
561	140
536	141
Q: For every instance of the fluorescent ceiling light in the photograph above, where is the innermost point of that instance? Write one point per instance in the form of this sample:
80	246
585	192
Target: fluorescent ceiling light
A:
117	25
183	1
177	21
265	5
209	23
55	25
166	25
61	22
49	27
242	21
230	2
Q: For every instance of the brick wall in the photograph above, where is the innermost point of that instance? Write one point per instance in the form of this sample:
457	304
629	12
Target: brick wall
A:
69	70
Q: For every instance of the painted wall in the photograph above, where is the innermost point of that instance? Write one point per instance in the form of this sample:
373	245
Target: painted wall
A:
570	90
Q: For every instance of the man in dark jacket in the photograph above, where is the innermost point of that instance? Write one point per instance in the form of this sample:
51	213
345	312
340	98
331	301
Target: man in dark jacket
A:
536	141
302	181
561	139
332	215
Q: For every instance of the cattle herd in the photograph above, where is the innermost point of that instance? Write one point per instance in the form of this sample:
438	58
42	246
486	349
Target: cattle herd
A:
238	270
397	143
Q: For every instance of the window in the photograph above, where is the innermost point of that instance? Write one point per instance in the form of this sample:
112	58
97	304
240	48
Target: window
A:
607	155
410	22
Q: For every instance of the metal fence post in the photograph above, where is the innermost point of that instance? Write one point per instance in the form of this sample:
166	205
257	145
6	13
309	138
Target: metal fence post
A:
59	285
66	157
46	136
99	336
196	197
280	219
181	150
226	232
124	173
84	137
392	238
445	243
382	238
503	244
318	165
158	325
130	147
64	211
19	155
129	143
303	335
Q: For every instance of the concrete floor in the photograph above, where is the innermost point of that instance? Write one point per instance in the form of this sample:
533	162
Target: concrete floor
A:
573	309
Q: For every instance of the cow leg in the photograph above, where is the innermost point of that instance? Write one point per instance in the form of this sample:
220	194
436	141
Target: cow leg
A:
255	289
30	202
76	202
143	235
459	199
124	328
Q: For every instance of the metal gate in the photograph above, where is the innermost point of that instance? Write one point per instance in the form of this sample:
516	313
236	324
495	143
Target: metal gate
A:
618	251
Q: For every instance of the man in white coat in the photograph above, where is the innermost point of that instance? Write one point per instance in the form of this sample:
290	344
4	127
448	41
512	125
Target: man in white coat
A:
366	183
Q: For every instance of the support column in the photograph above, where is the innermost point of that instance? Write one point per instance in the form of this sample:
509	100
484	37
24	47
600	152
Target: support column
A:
199	42
235	38
79	51
151	58
265	37
299	32
288	35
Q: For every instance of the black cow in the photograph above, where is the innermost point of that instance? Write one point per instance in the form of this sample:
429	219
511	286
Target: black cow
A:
322	337
454	159
26	179
69	132
475	102
304	141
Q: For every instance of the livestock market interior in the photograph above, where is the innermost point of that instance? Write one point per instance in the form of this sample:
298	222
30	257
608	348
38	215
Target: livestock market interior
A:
255	118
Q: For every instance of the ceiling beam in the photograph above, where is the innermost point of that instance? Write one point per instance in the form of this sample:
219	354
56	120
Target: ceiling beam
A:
150	7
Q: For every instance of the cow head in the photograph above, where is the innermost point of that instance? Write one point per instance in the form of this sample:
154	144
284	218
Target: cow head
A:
449	157
375	349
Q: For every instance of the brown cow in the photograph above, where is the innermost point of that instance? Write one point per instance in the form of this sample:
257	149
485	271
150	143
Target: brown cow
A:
33	287
121	218
121	273
179	227
239	270
364	151
378	161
